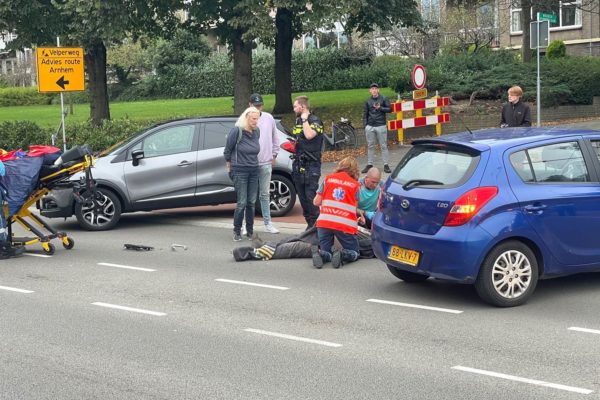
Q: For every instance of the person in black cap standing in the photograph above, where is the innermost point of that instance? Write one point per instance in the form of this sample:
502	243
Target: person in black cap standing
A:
269	148
375	123
307	162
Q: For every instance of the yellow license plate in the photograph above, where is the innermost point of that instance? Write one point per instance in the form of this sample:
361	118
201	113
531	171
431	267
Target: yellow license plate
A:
403	255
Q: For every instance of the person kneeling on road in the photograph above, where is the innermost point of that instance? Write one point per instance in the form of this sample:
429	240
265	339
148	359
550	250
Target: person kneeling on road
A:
337	196
368	196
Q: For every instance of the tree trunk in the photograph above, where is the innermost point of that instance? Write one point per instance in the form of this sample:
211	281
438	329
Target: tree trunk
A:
284	39
526	20
95	60
242	73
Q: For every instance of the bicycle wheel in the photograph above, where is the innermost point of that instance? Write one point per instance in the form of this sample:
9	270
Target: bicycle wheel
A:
345	136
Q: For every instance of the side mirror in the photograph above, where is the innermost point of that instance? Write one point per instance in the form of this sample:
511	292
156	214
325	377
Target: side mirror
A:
136	156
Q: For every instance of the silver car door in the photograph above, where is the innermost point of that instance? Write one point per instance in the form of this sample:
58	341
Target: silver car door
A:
166	176
213	183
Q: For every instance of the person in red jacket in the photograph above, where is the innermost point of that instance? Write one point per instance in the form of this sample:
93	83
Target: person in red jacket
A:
337	196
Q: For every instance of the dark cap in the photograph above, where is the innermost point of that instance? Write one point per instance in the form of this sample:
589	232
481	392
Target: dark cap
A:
256	99
374	85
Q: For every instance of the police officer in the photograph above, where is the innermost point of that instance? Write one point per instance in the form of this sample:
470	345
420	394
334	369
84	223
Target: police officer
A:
307	163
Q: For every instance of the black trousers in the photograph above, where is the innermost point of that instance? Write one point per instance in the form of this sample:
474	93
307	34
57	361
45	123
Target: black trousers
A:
306	184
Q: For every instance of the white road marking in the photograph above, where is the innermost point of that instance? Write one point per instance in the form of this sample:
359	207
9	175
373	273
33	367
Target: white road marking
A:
586	330
524	380
296	338
393	303
126	267
137	310
12	289
253	284
37	255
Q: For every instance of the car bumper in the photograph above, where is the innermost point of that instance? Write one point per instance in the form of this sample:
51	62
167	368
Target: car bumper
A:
453	253
57	204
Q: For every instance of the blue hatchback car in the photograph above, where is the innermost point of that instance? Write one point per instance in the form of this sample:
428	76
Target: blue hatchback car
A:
497	208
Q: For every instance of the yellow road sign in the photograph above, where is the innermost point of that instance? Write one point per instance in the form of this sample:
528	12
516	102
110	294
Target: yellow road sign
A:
419	94
60	69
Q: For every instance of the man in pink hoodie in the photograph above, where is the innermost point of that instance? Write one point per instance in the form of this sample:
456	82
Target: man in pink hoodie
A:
269	148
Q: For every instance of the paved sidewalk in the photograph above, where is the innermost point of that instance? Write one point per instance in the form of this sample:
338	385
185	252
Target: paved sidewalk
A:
395	155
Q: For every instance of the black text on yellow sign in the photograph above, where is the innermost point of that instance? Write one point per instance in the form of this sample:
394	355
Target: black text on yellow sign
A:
60	69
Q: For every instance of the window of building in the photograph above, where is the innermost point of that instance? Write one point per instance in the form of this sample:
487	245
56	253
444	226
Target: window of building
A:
486	16
430	10
515	20
568	16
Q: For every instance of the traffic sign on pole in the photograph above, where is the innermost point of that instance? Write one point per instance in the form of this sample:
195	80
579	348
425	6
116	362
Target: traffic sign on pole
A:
418	76
544	34
548	17
60	69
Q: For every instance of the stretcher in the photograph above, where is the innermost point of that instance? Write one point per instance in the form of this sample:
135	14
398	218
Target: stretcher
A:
78	159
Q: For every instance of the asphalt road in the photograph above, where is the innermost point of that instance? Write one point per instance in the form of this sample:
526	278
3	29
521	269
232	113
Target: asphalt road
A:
191	326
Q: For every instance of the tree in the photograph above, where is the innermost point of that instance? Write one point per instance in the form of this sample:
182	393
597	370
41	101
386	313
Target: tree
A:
236	24
295	17
469	30
90	24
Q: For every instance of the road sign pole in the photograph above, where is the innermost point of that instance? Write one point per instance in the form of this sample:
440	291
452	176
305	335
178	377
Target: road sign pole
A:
538	96
62	109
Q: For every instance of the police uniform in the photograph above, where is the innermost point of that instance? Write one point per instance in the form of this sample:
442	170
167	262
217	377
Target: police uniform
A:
307	166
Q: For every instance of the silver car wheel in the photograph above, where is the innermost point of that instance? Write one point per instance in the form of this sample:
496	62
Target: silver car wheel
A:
280	195
511	274
100	213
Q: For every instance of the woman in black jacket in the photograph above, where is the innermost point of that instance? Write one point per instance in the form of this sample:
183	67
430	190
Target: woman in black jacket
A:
241	160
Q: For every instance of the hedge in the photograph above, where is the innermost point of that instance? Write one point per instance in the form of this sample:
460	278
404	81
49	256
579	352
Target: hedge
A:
23	96
21	134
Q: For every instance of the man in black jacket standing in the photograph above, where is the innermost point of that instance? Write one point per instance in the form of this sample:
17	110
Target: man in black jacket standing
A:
375	123
515	113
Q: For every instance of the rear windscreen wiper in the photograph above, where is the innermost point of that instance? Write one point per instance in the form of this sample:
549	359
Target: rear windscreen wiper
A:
419	182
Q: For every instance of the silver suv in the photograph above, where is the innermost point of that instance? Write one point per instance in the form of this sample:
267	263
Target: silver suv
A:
175	164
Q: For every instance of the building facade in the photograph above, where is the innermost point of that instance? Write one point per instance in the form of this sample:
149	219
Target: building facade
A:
16	67
577	25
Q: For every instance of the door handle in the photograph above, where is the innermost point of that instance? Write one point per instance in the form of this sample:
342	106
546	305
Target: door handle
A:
534	208
184	163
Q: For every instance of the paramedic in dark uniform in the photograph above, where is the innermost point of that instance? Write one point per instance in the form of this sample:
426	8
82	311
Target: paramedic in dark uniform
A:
307	162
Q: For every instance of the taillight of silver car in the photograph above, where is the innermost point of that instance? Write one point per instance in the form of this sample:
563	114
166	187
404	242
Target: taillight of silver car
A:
469	204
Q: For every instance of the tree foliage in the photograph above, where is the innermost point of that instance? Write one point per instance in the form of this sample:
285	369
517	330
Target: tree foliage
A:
91	24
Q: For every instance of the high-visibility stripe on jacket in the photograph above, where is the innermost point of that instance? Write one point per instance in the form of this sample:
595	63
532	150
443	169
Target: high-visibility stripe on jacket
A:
338	208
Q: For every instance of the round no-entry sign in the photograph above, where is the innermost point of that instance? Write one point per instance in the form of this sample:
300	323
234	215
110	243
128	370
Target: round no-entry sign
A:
418	76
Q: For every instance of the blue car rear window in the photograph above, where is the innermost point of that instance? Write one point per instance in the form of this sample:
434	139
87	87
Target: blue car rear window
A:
553	163
436	166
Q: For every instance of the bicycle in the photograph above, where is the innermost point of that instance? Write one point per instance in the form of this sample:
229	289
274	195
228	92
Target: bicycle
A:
343	135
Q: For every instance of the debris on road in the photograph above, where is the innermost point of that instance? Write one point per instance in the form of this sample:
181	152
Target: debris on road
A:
137	247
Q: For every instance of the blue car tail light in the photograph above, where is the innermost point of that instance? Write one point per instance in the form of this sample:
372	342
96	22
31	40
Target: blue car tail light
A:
469	204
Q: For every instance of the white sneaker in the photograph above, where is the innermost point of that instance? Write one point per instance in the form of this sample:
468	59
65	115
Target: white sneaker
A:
271	229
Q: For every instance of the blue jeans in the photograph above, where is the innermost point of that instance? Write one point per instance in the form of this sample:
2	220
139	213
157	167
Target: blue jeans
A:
348	241
264	195
245	182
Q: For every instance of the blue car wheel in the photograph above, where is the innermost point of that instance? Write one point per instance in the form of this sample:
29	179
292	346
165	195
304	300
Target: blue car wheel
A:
508	275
